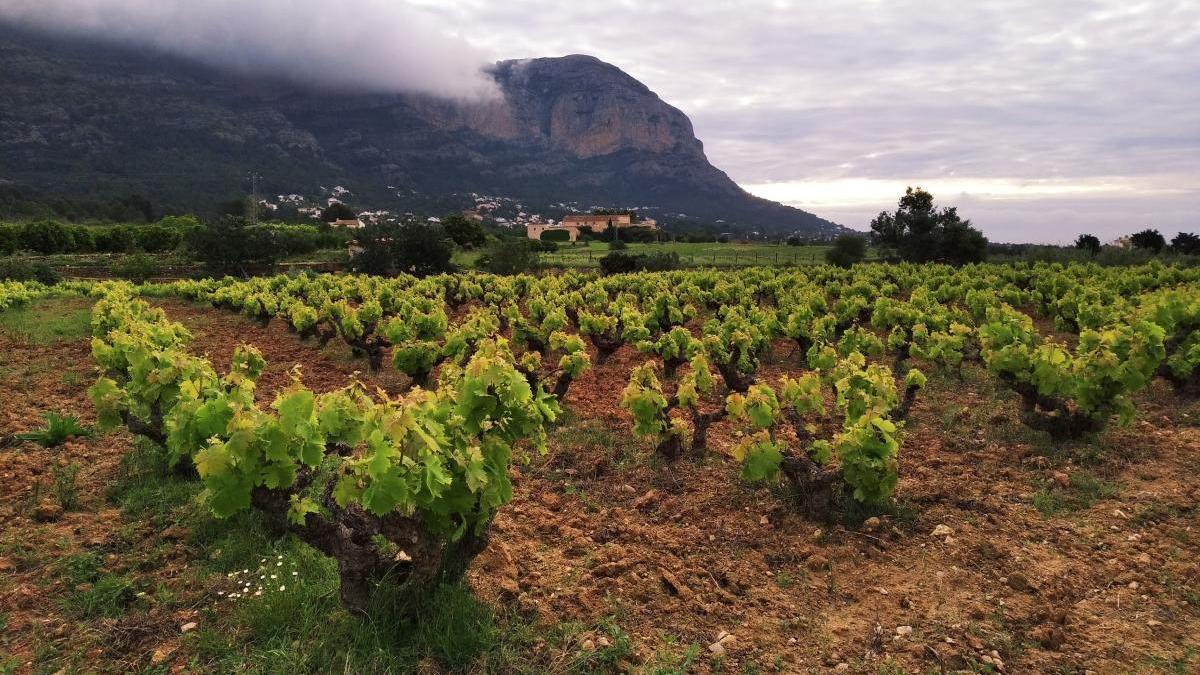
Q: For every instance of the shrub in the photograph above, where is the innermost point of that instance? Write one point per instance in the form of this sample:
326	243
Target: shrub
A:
46	237
511	256
137	268
660	262
157	238
83	239
847	249
552	236
413	248
230	246
618	263
617	245
9	239
637	233
622	263
15	269
115	239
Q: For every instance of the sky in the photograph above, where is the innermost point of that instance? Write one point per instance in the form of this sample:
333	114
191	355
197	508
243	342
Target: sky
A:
1039	119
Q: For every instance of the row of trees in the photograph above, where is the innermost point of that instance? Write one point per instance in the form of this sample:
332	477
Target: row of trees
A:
1184	243
49	237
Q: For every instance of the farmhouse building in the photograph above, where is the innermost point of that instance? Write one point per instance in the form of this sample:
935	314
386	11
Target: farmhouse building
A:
574	224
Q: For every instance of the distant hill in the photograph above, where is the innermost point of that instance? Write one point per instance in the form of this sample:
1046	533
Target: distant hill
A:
89	120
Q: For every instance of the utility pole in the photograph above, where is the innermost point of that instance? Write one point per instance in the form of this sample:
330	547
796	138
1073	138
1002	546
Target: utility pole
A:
254	178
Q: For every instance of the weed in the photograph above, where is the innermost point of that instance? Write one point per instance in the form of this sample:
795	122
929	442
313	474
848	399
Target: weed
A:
66	492
58	429
109	596
1083	490
80	568
605	658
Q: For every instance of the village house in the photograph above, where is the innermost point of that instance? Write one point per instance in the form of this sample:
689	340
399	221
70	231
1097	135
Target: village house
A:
575	223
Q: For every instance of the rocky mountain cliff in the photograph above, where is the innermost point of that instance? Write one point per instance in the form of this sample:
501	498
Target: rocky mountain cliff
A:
89	120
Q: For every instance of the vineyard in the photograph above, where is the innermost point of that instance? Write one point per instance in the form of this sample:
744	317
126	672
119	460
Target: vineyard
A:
886	468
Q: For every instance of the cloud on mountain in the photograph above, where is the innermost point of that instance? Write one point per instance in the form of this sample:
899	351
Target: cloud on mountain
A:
373	44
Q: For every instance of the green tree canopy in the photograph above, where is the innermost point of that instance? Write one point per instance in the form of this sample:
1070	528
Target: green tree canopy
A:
1150	240
466	232
1088	242
847	249
920	232
337	211
411	248
1186	243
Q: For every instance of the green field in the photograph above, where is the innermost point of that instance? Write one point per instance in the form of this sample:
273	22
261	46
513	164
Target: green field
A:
587	254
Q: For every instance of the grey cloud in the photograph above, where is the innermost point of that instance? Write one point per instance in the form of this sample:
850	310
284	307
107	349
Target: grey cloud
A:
373	44
1082	91
1023	90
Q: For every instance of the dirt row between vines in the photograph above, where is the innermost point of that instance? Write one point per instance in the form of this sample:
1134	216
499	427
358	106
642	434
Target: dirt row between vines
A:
966	575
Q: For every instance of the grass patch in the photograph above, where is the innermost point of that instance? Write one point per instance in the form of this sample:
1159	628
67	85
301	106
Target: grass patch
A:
80	568
48	322
147	489
109	596
305	629
1083	490
669	661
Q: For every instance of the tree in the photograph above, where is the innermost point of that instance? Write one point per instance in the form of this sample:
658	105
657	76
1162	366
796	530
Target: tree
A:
1186	243
920	232
411	248
847	249
9	239
466	232
46	237
510	256
795	240
1148	239
137	268
1089	243
230	246
338	211
157	238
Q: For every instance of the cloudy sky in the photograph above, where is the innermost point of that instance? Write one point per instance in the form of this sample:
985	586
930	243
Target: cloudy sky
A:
1039	119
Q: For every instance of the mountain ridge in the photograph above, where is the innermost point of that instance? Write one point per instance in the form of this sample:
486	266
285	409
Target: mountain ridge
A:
86	119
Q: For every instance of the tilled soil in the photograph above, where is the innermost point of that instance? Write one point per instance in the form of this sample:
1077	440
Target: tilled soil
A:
966	574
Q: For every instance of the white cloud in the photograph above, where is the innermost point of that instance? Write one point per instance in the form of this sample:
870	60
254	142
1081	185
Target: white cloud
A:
384	45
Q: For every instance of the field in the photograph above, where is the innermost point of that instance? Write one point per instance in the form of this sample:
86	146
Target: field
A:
887	469
585	254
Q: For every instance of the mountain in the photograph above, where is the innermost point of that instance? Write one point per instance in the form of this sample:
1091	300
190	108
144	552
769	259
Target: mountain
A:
87	120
